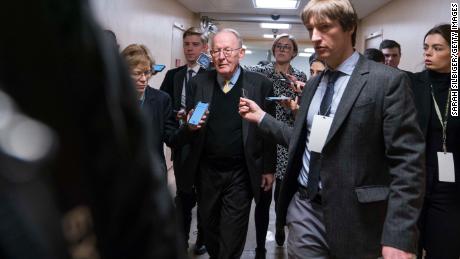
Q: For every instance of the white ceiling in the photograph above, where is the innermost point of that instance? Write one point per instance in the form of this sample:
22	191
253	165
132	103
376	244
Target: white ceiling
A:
243	17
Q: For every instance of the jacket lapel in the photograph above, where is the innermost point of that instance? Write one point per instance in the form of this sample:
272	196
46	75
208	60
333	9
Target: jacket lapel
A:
149	103
250	89
178	85
208	88
201	70
357	80
149	94
426	108
422	95
307	96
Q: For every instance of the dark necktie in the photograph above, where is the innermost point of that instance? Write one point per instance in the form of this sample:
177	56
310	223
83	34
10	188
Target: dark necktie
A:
325	109
188	88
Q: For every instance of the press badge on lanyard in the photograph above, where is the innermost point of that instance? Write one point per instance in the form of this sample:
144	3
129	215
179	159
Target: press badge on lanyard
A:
446	168
319	131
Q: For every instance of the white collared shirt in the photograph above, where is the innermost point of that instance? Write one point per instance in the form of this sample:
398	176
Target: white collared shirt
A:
340	85
233	80
195	69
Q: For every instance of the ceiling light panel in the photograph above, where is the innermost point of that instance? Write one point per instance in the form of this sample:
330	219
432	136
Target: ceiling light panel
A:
283	26
276	4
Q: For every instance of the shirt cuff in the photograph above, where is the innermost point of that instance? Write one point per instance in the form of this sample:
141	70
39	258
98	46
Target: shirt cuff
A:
261	118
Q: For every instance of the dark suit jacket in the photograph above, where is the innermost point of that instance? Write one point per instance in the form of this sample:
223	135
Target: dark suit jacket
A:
424	104
158	109
168	82
372	165
172	84
260	152
422	98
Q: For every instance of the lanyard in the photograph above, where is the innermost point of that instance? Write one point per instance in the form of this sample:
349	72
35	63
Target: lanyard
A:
443	122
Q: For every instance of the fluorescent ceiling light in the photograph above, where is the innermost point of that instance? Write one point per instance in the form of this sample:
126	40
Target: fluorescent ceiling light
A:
244	46
303	54
309	50
276	4
268	36
248	52
275	25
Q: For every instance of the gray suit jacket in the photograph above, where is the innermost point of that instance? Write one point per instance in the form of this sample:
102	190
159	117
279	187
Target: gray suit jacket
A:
260	151
372	165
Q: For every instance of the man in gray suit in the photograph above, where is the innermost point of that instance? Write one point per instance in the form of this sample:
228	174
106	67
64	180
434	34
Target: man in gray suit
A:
354	180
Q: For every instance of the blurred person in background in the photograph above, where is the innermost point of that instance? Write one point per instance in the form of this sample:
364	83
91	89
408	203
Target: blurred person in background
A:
72	79
155	103
316	67
439	222
392	52
374	55
177	84
111	37
281	73
29	217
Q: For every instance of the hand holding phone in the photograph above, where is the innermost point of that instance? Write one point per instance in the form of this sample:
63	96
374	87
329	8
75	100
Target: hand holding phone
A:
286	78
198	116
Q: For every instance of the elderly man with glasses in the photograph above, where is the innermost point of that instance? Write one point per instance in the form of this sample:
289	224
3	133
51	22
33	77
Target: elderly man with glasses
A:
233	159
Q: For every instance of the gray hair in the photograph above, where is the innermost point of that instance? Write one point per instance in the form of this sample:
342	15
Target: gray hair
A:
234	32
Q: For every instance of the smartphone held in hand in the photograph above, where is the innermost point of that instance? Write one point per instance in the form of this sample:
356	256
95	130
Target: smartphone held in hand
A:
199	111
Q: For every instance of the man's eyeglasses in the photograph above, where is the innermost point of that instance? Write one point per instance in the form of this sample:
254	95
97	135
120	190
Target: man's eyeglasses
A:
139	74
283	47
227	52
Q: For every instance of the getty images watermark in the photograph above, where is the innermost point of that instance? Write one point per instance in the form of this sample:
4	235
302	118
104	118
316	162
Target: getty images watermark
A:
454	59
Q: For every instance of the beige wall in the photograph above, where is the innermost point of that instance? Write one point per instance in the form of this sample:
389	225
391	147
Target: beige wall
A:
406	21
148	22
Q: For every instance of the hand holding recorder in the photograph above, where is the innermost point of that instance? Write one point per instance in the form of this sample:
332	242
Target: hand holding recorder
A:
250	111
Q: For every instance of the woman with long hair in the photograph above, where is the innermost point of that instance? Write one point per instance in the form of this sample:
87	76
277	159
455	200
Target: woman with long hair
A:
439	220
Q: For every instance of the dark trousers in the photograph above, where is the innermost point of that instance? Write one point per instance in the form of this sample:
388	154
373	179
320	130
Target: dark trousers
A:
262	213
225	203
440	223
185	202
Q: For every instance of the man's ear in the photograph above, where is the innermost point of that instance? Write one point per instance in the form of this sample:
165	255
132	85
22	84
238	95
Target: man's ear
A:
242	53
